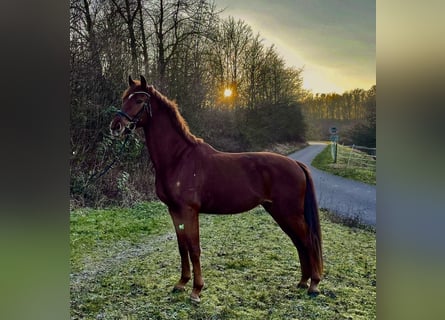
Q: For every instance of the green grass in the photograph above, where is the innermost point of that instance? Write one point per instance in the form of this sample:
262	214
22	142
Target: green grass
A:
125	263
324	161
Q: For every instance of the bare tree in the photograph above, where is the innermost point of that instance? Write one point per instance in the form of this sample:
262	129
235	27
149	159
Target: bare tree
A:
84	37
175	23
253	62
128	11
234	38
143	38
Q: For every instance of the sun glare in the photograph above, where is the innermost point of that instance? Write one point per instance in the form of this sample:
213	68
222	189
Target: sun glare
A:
227	92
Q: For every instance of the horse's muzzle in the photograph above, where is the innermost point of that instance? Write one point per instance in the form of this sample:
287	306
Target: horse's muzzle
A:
117	128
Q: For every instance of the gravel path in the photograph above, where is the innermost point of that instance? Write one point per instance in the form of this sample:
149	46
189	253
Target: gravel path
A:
342	196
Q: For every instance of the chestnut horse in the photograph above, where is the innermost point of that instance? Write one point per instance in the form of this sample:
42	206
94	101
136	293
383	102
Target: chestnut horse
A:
192	177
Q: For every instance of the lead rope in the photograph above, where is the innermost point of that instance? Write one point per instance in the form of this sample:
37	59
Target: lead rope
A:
108	167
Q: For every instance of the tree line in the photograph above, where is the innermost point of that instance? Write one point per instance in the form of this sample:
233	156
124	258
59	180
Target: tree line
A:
351	105
354	112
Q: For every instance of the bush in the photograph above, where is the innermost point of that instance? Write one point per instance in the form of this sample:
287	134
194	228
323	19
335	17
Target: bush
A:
270	124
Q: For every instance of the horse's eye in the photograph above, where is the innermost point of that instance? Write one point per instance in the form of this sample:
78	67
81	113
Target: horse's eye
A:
138	101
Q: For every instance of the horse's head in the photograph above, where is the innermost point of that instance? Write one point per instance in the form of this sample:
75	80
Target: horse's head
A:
136	108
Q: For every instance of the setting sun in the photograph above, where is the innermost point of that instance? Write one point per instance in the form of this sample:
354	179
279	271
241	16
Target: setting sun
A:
227	92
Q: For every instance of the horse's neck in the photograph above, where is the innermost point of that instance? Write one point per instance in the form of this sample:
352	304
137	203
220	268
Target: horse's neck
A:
165	144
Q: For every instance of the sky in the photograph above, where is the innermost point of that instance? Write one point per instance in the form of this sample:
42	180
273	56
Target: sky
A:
333	40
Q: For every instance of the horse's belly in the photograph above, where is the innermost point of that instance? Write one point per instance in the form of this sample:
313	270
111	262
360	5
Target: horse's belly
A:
227	208
230	201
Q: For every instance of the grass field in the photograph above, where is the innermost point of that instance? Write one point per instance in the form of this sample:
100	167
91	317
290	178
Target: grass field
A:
124	263
324	161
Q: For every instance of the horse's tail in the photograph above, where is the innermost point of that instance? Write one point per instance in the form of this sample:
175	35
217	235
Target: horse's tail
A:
313	221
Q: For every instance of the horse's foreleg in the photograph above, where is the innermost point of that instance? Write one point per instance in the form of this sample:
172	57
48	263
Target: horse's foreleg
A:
192	232
185	263
183	251
187	231
198	282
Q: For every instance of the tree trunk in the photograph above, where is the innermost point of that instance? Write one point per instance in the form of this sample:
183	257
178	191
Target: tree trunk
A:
143	38
131	34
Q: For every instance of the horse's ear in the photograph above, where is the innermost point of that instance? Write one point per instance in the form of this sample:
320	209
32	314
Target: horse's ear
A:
131	82
143	82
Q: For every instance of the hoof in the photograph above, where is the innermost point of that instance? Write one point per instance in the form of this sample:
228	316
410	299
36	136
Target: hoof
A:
313	292
177	289
302	285
195	299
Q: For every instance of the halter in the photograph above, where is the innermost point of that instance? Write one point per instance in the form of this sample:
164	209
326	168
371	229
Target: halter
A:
134	120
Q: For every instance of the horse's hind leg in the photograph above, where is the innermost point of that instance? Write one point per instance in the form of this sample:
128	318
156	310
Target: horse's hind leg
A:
294	226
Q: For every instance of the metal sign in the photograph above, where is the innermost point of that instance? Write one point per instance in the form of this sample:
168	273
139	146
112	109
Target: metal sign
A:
333	130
